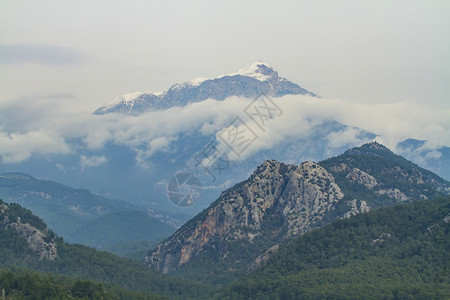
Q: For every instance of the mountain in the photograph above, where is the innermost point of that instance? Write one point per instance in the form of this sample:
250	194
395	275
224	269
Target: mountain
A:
80	216
398	252
21	230
122	227
27	244
261	231
248	82
374	173
282	201
140	155
436	159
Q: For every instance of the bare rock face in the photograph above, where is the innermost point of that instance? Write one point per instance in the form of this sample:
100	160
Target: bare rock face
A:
361	177
281	201
40	241
297	197
36	240
357	207
309	194
395	194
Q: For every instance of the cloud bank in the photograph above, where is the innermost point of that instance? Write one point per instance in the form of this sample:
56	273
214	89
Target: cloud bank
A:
48	125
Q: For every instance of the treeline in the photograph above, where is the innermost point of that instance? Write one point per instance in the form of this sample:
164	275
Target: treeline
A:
27	284
400	252
87	263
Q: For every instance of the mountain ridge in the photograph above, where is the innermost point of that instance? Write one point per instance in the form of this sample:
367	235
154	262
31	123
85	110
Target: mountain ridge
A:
280	201
39	249
248	82
80	216
398	252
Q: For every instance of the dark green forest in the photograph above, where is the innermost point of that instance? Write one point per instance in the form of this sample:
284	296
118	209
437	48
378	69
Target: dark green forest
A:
400	252
26	284
87	263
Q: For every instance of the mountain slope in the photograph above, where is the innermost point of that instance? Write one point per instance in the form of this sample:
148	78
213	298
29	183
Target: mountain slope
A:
248	82
17	249
399	252
281	201
80	216
376	175
124	226
267	204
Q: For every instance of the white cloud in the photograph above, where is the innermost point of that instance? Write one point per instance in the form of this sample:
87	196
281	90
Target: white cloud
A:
349	137
93	161
157	144
155	131
16	147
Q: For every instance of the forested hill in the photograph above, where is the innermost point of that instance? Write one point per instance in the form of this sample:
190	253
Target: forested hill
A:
400	252
279	201
26	243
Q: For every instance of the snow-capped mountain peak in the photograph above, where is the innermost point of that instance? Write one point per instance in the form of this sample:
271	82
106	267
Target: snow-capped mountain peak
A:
128	99
258	70
248	82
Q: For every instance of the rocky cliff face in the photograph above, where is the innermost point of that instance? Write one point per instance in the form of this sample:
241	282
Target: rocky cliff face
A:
295	198
41	241
280	201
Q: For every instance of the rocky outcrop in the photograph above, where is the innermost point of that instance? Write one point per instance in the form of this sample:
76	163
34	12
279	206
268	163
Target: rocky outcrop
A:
42	242
263	258
361	177
309	194
281	201
389	177
395	194
381	239
296	198
356	207
36	240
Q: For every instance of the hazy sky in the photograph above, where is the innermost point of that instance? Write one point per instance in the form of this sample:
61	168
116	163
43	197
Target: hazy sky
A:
93	51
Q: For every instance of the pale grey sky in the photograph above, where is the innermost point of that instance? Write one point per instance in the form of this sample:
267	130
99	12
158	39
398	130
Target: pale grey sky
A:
94	51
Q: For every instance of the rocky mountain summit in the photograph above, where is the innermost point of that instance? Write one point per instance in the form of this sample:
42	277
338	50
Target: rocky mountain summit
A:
294	197
248	82
389	177
279	201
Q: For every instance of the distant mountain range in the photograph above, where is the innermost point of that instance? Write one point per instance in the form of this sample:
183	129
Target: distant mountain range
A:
81	217
279	201
26	243
260	232
248	82
139	173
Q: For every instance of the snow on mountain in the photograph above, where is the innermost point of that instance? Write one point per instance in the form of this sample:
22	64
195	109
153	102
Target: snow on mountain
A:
258	70
248	82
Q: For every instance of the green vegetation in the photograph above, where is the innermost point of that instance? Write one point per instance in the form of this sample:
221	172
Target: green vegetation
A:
400	252
391	172
87	263
223	262
80	216
125	226
26	284
135	250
